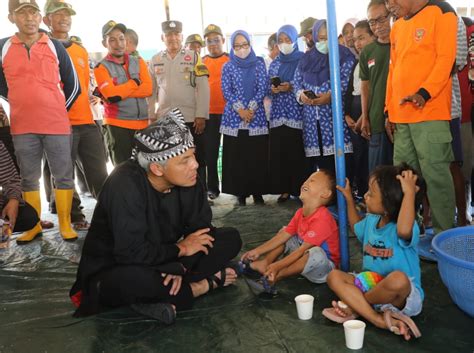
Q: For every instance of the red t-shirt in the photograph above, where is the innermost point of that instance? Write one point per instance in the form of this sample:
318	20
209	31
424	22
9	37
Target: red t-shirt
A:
319	229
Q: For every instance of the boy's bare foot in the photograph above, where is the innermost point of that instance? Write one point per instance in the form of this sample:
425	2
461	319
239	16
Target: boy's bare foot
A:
260	266
396	326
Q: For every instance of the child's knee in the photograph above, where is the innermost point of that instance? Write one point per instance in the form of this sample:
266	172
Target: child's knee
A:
334	278
399	281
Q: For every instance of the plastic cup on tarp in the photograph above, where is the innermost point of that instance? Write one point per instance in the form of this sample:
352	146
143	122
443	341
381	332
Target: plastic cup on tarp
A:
304	306
354	331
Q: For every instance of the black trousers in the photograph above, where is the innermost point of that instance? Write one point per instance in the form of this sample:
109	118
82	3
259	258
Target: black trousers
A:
199	141
213	142
27	217
128	284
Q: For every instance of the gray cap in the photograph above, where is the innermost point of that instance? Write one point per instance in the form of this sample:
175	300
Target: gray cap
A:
172	26
306	26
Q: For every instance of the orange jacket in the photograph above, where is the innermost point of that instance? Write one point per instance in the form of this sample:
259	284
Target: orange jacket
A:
114	92
421	61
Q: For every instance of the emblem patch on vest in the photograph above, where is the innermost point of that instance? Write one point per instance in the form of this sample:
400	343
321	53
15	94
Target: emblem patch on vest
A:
419	34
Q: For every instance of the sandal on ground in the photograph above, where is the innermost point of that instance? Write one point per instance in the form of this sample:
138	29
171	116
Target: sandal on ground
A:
242	268
388	315
283	197
263	286
331	314
162	312
47	224
81	225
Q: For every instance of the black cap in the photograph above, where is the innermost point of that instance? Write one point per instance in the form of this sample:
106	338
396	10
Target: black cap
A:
172	26
111	25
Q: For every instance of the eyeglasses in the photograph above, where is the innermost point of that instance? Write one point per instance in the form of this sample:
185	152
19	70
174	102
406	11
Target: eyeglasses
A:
380	20
213	41
241	46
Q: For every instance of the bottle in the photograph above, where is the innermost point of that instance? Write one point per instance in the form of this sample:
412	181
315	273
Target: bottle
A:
5	233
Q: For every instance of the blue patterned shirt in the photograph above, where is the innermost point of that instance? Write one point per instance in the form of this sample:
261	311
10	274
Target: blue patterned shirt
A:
285	110
322	113
233	90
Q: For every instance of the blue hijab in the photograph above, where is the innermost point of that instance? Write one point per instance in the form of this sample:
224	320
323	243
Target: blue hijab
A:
315	65
289	62
247	65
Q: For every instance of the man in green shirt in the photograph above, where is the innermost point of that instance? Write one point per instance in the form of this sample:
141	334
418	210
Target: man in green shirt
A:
374	62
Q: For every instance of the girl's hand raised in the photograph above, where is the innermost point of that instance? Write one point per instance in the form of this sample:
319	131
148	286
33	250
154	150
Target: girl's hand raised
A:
408	182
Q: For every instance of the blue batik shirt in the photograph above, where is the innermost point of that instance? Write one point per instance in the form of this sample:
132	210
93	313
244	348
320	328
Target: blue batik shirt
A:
285	110
233	90
322	113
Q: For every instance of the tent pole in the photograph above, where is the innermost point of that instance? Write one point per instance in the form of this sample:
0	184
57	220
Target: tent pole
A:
336	101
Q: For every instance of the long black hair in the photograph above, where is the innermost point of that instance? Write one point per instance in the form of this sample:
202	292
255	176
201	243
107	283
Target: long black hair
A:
391	189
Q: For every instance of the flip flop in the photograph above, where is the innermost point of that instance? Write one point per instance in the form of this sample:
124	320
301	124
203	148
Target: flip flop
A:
331	314
263	286
162	312
389	314
243	268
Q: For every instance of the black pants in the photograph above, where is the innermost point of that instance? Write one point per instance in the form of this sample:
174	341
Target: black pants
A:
213	142
129	284
27	217
199	142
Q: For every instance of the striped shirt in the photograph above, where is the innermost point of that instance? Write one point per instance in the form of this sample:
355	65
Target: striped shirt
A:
9	178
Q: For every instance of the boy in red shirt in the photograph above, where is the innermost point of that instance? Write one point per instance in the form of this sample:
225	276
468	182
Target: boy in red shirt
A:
310	242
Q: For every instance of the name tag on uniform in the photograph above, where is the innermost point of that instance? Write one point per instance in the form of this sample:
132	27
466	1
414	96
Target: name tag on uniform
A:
159	68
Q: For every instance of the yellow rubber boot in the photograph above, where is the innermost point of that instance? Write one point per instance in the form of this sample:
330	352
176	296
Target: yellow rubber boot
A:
34	199
63	206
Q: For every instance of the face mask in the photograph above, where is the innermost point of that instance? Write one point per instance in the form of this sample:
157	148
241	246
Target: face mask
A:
322	47
286	48
242	53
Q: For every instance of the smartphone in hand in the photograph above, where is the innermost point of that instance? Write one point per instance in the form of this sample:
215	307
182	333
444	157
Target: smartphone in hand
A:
310	94
276	81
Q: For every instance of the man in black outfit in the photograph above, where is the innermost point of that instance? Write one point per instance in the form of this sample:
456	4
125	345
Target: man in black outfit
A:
151	243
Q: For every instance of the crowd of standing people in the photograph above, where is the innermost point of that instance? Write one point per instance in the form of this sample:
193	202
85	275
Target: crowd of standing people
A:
406	80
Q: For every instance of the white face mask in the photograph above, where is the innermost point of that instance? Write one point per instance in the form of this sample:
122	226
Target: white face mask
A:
242	53
322	46
286	48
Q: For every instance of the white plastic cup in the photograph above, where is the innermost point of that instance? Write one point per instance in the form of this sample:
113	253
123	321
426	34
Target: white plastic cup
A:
304	306
354	331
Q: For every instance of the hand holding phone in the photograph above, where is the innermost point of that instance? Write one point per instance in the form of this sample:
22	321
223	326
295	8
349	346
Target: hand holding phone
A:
276	81
310	94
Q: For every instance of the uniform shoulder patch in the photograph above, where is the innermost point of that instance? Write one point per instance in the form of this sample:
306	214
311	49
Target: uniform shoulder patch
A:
201	70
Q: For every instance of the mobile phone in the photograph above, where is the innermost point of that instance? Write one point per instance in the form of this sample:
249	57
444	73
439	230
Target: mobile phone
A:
310	94
276	81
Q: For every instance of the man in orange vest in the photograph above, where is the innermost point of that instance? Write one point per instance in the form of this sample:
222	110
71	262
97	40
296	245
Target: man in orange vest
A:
87	143
214	62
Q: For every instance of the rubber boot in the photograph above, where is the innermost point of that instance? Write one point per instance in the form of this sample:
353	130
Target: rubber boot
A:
34	199
63	205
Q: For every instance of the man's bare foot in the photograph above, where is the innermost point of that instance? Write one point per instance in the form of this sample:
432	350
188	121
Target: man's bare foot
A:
230	277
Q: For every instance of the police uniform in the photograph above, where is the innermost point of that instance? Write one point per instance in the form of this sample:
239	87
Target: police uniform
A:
180	82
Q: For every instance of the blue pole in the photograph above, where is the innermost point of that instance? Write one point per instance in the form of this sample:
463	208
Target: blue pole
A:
336	101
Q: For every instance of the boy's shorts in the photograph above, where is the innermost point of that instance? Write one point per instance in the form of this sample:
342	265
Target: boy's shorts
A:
318	265
413	305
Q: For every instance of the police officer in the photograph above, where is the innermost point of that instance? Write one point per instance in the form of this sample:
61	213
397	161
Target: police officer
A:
180	80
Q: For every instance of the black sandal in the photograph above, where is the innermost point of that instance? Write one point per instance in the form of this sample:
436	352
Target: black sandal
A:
218	281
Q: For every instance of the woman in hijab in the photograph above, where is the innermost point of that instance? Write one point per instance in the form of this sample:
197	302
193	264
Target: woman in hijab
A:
313	90
244	126
348	35
287	159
